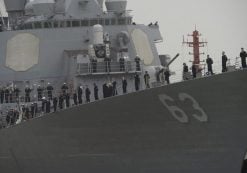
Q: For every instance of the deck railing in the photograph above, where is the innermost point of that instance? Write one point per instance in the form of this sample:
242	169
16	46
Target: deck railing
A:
97	68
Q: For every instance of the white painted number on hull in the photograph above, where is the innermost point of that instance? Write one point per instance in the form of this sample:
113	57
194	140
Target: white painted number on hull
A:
203	117
178	113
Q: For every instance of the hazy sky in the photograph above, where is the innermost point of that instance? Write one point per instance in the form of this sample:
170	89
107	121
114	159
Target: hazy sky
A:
223	24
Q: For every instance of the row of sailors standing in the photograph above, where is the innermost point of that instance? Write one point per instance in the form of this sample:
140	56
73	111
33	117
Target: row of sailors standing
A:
64	99
243	56
15	115
12	95
209	62
12	117
122	67
137	63
109	89
40	91
194	69
9	94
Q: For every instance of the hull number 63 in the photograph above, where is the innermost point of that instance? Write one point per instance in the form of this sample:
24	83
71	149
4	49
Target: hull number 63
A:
180	114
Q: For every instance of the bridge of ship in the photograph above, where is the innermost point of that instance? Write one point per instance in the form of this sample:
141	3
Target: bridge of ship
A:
49	24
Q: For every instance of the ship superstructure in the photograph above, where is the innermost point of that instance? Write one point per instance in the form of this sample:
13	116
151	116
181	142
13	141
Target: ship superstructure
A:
55	41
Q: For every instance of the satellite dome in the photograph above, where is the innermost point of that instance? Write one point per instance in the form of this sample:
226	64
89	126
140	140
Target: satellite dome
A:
116	5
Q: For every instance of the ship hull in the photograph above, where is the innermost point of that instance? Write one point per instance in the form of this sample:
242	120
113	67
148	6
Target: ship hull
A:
139	132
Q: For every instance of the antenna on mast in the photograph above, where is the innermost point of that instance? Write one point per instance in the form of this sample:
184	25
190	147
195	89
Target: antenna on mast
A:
196	44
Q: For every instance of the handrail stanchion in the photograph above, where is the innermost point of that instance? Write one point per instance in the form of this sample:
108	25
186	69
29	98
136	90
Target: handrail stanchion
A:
78	68
89	68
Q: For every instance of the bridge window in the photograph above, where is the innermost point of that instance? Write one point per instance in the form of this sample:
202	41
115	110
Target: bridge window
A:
93	22
78	23
121	21
28	26
47	25
113	21
84	23
62	24
55	24
107	22
68	23
37	25
75	23
101	21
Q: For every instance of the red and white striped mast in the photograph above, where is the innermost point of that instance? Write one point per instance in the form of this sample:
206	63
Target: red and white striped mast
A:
196	44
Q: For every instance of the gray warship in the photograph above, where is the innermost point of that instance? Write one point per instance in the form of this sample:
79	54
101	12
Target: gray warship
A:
187	127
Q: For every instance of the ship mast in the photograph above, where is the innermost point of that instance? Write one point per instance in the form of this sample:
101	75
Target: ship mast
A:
196	44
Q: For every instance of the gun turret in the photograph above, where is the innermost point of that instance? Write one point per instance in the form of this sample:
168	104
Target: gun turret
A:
173	59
